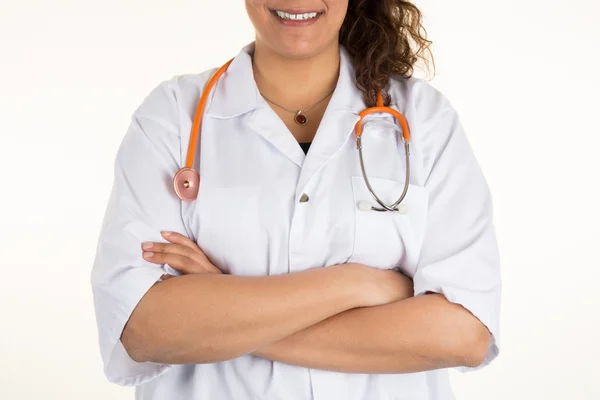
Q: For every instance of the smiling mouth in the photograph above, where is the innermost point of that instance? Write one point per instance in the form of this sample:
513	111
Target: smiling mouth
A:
289	16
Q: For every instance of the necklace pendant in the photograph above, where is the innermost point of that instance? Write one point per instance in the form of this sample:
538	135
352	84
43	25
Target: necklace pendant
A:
300	118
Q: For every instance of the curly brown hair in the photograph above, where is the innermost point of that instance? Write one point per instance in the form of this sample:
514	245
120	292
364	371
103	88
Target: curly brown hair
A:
378	35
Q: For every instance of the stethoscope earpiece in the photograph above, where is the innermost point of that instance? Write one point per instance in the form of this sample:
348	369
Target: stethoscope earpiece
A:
364	205
186	183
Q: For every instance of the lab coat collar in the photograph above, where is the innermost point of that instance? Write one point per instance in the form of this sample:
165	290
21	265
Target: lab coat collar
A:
236	92
333	132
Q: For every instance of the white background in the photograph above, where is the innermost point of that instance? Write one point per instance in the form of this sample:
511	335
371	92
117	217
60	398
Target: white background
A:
523	74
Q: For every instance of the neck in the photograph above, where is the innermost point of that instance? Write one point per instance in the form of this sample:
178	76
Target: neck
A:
295	83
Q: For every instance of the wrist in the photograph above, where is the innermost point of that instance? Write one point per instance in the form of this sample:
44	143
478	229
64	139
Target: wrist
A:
354	278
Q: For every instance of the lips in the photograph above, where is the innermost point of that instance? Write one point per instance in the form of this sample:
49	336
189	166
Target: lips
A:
296	17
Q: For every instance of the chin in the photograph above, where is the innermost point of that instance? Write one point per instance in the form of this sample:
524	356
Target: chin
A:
299	49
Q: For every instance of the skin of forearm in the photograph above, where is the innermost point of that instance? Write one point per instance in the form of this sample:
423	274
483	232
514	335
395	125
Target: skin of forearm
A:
412	335
205	318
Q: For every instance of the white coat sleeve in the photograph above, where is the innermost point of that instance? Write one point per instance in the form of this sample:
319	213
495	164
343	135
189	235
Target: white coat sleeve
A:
142	203
459	257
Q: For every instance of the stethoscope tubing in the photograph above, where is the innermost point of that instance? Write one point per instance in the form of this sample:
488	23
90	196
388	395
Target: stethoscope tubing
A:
186	181
364	173
405	137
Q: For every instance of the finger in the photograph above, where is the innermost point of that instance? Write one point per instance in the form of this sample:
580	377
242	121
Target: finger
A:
211	268
178	238
181	263
179	249
172	248
164	277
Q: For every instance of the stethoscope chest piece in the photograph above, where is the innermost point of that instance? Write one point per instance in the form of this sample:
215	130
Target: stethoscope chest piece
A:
186	183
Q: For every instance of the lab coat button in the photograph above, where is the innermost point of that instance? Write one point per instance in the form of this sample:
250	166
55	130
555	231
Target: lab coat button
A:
303	198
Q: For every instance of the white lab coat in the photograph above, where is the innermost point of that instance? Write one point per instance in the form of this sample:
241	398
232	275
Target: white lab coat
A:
248	220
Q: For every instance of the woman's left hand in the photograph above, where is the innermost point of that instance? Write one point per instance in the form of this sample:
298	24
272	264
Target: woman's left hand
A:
181	254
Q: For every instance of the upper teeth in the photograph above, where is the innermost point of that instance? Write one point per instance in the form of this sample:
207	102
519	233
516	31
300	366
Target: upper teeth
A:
285	15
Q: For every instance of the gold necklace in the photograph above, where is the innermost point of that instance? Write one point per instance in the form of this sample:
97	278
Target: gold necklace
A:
300	116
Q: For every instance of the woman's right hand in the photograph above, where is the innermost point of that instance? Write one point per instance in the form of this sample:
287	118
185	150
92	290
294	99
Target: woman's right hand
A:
181	254
384	286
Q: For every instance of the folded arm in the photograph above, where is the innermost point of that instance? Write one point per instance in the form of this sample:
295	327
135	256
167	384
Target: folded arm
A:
416	334
459	259
206	318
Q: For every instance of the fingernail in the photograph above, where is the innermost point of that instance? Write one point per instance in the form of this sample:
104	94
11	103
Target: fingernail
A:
147	245
148	254
166	233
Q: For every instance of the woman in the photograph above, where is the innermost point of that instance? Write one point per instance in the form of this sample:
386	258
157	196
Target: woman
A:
274	284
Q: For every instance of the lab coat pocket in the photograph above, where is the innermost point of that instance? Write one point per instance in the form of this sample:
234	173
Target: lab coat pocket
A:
386	239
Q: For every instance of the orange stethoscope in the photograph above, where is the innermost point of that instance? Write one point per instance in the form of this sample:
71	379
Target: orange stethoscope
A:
187	180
